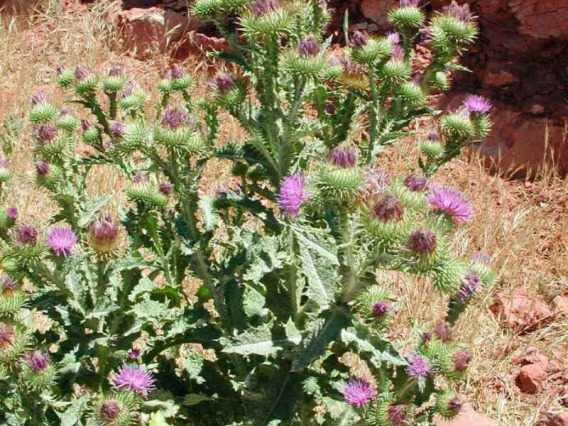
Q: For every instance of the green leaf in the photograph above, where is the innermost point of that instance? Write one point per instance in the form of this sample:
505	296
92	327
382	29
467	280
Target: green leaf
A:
72	416
262	341
91	208
193	364
253	302
208	215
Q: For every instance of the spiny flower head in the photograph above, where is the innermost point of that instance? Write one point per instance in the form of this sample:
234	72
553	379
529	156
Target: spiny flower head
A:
8	284
46	133
388	209
330	108
177	71
418	367
110	410
469	286
141	177
382	308
452	202
398	414
165	187
85	125
308	46
416	182
6	335
433	137
476	104
461	359
358	392
134	379
81	72
134	354
117	129
343	157
393	37
42	168
25	234
292	194
359	39
36	360
174	118
38	99
423	241
61	241
223	82
103	233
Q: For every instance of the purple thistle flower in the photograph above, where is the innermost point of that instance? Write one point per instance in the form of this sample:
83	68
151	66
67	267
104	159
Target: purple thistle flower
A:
46	132
397	52
418	367
388	209
59	69
409	3
126	92
223	82
461	13
38	99
26	234
359	39
80	73
4	163
433	137
476	104
343	157
134	379
64	112
6	335
330	108
42	168
134	354
308	46
481	257
110	410
452	202
376	180
262	7
174	118
115	71
36	360
8	284
416	182
177	71
455	405
382	308
426	336
443	331
165	188
85	125
103	233
292	194
141	177
469	286
393	37
61	241
423	241
398	414
461	359
117	129
358	392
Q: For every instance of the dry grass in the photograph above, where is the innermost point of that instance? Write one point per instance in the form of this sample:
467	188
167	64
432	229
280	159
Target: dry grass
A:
522	226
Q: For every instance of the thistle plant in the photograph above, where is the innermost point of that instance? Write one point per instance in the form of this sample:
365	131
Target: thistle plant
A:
283	266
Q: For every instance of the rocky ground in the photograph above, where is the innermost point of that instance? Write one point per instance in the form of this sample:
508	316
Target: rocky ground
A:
519	330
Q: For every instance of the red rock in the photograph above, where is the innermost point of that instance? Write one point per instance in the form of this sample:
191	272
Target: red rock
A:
561	306
519	310
533	356
467	417
198	44
554	419
377	11
531	378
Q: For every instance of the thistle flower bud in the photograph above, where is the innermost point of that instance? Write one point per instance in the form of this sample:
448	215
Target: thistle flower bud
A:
81	73
6	335
115	71
359	39
416	182
36	360
46	133
343	157
388	209
423	241
110	410
330	108
38	99
433	137
8	285
177	71
409	3
443	331
461	360
382	308
448	405
469	286
61	241
223	83
292	194
308	46
103	234
117	129
25	234
418	367
134	354
393	37
174	118
481	257
461	13
165	188
358	392
426	336
42	168
398	414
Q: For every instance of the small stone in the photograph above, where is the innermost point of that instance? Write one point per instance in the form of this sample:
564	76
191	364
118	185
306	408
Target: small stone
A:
467	417
537	109
531	378
520	310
